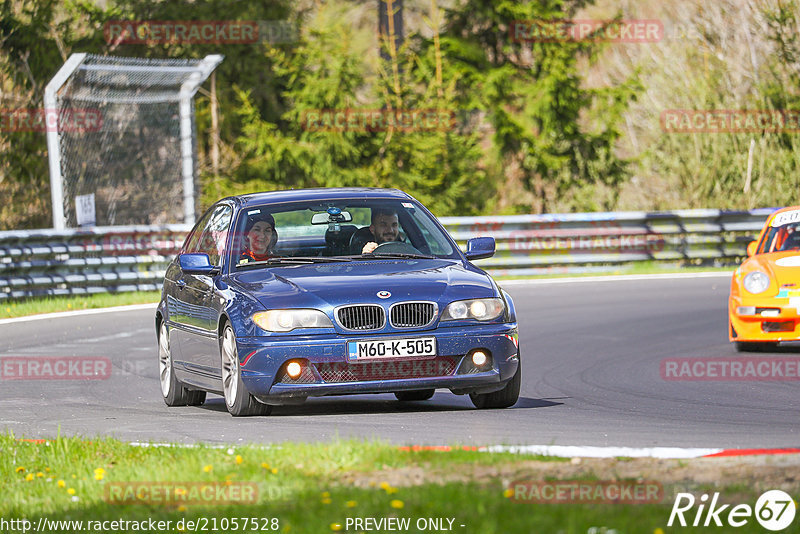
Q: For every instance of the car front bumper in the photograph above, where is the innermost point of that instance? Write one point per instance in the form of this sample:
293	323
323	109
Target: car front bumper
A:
327	371
764	318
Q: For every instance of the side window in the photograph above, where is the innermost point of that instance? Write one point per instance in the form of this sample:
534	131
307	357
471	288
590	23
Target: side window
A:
211	240
197	231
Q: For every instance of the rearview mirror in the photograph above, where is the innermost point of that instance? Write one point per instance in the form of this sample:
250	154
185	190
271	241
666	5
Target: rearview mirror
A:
325	218
196	263
751	248
480	247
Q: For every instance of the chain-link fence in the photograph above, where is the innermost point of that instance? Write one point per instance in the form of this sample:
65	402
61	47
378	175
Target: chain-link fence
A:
123	149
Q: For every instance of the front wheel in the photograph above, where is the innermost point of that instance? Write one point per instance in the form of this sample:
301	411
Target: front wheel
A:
174	392
505	398
237	399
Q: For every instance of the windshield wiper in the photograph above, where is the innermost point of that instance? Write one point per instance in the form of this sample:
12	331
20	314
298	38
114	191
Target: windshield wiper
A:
395	255
297	260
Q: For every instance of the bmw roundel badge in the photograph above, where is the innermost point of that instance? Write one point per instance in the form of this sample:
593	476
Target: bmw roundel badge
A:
384	294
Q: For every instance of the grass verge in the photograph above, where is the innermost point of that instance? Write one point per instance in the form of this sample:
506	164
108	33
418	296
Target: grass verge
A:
20	308
303	488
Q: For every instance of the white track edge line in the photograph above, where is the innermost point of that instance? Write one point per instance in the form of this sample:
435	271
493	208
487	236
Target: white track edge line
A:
560	451
613	278
77	313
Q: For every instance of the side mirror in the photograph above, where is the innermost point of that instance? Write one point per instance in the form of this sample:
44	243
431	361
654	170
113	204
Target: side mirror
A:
480	247
751	248
197	264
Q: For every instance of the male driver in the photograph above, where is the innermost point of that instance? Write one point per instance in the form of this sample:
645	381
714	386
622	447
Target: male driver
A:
384	228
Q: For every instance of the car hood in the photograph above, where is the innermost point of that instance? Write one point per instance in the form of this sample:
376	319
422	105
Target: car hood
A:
783	268
334	284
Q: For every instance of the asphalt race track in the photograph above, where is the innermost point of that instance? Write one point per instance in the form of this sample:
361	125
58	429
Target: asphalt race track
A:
590	351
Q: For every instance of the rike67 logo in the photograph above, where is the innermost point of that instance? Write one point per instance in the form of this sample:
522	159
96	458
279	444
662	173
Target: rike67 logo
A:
774	510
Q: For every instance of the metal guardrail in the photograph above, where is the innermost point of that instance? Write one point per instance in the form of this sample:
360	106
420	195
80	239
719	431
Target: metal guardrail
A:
134	258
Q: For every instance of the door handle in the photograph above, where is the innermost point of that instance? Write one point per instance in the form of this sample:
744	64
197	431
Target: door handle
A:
181	284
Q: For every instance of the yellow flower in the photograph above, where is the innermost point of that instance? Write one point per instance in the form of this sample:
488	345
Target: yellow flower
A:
181	508
265	465
658	531
20	469
326	500
229	483
208	468
351	504
29	477
47	469
274	470
336	526
99	473
71	491
508	493
326	494
385	485
239	459
180	492
397	504
61	484
39	474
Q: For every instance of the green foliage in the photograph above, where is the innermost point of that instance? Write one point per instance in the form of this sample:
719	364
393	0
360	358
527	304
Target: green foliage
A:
532	128
324	72
560	135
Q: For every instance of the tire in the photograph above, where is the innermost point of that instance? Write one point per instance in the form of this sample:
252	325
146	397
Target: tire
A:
173	391
755	346
237	399
505	398
420	395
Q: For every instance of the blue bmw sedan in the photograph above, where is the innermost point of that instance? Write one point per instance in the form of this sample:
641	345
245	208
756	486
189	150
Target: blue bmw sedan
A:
278	296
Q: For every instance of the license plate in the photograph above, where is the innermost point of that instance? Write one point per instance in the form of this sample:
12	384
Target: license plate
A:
418	347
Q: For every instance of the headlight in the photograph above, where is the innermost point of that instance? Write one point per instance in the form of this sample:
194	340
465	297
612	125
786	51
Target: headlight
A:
756	282
287	320
480	309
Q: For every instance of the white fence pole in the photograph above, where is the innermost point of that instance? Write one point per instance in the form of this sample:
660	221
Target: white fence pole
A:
53	148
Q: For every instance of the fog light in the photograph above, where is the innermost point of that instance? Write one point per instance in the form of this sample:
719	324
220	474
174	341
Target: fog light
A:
479	358
294	369
746	310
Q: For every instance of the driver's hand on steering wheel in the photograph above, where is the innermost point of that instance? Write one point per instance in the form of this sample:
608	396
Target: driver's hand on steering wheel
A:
369	248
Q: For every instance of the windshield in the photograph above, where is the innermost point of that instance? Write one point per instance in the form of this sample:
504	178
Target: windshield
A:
312	232
781	238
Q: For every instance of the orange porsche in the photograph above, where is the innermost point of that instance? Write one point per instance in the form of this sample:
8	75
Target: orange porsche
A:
764	306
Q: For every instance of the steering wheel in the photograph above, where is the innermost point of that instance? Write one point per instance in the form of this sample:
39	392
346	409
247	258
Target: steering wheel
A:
395	247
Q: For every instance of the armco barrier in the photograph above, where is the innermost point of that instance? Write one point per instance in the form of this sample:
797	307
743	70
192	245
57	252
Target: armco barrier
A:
134	258
84	261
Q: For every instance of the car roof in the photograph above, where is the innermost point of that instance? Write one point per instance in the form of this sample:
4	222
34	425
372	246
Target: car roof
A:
782	210
320	194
